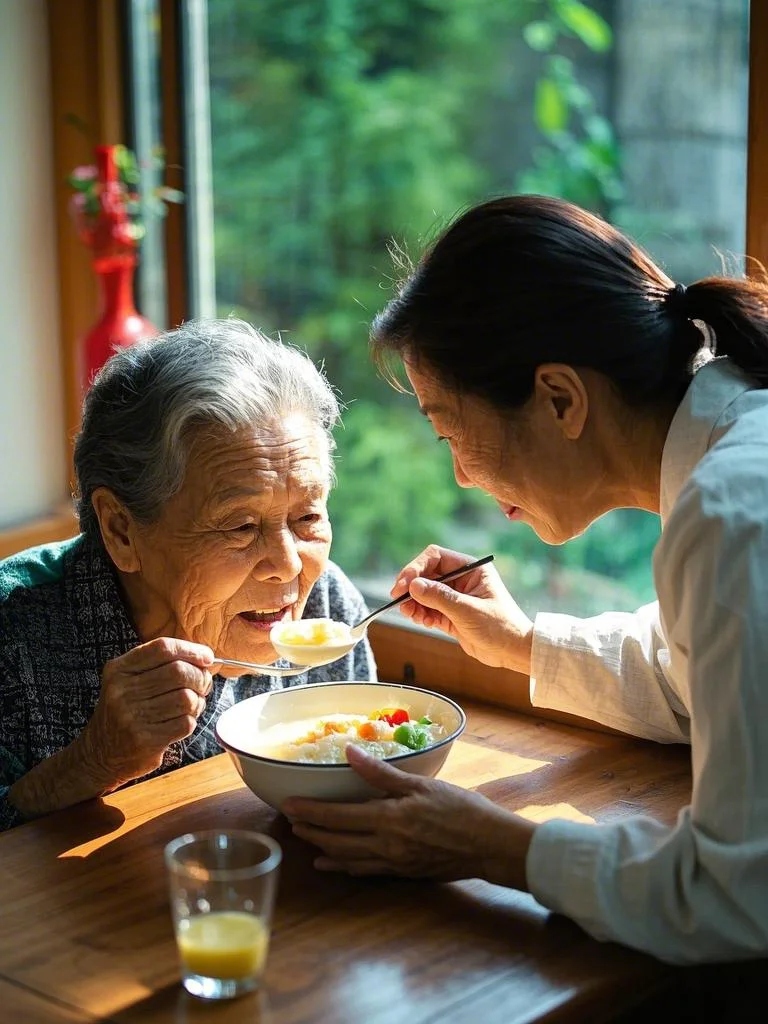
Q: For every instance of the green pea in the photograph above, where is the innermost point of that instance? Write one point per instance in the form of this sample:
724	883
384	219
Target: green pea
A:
411	735
405	734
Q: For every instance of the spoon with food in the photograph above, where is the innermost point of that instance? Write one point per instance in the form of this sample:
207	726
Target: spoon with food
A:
312	642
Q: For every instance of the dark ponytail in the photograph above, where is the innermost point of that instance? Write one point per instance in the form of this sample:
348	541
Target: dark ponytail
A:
737	311
524	280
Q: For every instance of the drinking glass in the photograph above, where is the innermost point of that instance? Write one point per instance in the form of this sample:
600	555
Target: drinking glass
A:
222	891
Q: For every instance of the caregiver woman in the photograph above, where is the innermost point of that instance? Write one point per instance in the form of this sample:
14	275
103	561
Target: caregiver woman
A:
570	376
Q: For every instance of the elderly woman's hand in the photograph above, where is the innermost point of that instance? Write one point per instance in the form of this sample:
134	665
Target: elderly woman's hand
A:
476	609
423	828
149	697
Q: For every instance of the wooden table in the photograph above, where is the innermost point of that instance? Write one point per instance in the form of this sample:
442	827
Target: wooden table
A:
85	929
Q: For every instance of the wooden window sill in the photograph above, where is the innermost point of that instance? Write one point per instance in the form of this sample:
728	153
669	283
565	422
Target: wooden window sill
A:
59	525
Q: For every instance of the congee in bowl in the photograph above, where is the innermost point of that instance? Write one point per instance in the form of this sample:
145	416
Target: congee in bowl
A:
292	742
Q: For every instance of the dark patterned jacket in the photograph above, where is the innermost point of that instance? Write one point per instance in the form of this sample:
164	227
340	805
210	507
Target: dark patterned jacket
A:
62	618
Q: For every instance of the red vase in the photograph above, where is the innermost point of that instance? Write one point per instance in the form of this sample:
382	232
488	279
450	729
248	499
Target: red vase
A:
120	323
114	262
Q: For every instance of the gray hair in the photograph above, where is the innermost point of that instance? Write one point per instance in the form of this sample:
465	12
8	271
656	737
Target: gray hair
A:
149	400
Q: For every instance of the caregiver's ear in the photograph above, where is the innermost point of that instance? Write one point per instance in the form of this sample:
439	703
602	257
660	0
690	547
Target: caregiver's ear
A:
118	529
560	389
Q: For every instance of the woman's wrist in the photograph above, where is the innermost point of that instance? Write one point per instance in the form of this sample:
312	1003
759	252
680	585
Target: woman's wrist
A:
91	750
504	844
520	653
68	777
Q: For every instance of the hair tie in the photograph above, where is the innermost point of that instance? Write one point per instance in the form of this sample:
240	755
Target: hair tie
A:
675	300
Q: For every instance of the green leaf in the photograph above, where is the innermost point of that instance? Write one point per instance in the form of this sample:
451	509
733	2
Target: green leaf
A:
170	195
82	126
80	184
540	35
599	129
550	106
560	67
92	205
128	168
122	157
587	24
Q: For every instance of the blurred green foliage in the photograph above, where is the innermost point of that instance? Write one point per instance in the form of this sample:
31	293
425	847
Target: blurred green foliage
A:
342	126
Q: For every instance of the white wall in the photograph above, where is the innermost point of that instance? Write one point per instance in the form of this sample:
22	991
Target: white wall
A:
32	446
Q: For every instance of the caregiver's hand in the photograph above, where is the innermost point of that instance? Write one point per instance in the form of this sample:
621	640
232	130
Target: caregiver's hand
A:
476	609
423	828
149	697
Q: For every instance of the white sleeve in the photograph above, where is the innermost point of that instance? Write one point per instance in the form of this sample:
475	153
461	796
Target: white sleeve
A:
698	891
610	669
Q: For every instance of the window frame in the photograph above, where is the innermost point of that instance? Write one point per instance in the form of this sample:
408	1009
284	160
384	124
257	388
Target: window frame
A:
757	138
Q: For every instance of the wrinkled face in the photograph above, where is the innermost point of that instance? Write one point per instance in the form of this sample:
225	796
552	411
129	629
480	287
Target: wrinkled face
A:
240	546
526	465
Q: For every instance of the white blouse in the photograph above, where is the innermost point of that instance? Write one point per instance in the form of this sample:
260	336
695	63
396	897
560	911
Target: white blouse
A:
691	668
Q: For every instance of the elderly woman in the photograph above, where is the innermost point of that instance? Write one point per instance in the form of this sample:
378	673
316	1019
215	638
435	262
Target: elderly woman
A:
203	469
570	376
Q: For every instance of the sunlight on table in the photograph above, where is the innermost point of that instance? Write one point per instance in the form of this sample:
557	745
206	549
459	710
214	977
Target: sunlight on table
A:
546	812
470	764
107	992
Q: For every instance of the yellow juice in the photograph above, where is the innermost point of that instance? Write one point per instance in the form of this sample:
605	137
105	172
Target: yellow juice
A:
227	944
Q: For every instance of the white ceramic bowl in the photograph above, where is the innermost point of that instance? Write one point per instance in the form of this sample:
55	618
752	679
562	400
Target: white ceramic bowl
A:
238	729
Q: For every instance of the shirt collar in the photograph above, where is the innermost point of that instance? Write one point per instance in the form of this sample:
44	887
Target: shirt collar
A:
699	422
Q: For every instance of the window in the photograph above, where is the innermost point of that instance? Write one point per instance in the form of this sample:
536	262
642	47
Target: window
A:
319	133
142	30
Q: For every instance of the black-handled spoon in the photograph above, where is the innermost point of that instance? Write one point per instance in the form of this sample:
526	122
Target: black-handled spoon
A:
359	628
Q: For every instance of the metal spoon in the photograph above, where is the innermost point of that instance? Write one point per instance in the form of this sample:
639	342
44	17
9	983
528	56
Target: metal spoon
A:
324	653
263	670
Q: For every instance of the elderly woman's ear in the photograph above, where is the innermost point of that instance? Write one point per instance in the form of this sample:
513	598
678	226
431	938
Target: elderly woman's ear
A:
117	529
